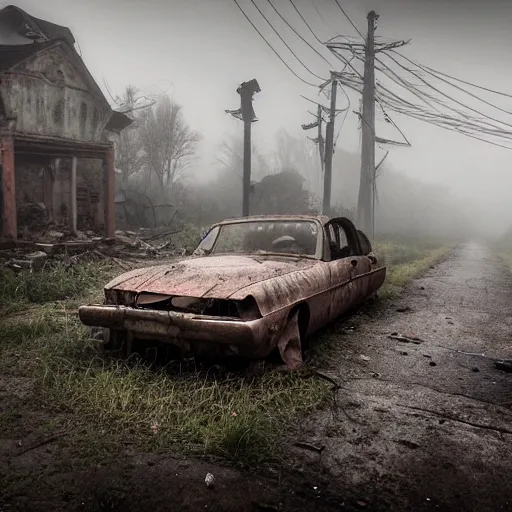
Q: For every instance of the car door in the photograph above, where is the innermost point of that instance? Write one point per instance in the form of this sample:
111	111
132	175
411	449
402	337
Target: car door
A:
348	266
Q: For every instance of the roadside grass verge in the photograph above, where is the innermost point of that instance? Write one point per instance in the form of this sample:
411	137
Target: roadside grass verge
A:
406	262
107	404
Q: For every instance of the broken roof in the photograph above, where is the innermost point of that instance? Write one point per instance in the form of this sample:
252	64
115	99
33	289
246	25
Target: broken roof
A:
28	36
23	26
10	55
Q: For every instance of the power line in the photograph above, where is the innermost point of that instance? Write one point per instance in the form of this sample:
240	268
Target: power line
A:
305	21
387	117
272	48
446	95
297	33
454	85
444	125
346	61
348	18
318	12
284	42
436	72
438	119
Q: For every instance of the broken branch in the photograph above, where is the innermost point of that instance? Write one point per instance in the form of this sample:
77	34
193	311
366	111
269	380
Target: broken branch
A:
452	418
44	441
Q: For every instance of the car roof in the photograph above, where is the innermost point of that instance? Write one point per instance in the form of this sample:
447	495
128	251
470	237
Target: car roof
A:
323	219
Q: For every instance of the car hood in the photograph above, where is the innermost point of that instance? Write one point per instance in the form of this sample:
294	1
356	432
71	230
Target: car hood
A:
210	276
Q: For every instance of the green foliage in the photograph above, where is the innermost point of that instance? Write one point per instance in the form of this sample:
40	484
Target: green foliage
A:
59	282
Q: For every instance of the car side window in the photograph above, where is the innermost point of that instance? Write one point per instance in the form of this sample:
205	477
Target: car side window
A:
338	243
208	241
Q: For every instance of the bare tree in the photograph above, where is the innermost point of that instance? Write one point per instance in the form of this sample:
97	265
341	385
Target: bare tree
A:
167	141
128	146
298	153
230	157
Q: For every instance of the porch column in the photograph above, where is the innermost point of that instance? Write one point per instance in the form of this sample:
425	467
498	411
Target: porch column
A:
9	224
110	192
73	196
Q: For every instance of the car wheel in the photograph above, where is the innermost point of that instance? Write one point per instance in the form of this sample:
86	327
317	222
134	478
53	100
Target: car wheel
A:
289	343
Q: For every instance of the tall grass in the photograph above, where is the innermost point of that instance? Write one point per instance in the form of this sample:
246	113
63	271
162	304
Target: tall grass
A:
61	281
178	407
406	262
114	401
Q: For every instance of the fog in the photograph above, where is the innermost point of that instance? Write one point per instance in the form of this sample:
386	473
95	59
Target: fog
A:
198	51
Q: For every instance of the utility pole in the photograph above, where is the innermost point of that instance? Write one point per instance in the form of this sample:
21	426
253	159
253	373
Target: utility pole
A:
365	203
319	139
247	115
329	148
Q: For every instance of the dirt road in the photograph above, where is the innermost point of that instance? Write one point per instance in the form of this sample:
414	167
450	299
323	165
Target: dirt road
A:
427	426
417	426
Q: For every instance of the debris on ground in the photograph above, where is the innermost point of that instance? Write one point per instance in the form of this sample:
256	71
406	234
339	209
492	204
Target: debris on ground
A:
311	447
56	243
364	358
209	480
505	365
403	309
409	338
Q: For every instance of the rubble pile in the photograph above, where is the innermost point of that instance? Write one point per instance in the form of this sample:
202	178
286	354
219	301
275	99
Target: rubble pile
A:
127	248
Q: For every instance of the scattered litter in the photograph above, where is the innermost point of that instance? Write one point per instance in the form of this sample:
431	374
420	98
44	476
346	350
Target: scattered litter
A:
234	414
361	504
364	358
309	446
209	480
154	427
403	309
505	365
406	339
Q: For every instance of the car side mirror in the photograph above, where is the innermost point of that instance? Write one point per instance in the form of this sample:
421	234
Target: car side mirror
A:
372	259
197	252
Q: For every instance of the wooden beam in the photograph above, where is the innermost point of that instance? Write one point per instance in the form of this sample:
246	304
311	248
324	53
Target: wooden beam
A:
110	193
74	211
9	222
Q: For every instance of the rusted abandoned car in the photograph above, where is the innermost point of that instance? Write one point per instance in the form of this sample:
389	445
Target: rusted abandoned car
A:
253	285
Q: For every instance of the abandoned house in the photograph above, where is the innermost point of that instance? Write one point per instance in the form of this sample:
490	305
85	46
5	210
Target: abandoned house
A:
56	132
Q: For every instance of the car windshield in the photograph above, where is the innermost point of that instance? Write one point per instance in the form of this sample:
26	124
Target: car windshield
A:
274	237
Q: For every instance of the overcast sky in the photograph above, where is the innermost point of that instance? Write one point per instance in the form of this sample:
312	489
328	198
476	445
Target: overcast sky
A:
205	48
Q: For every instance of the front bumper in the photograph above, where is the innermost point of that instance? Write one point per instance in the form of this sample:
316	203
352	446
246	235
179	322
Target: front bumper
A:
170	325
